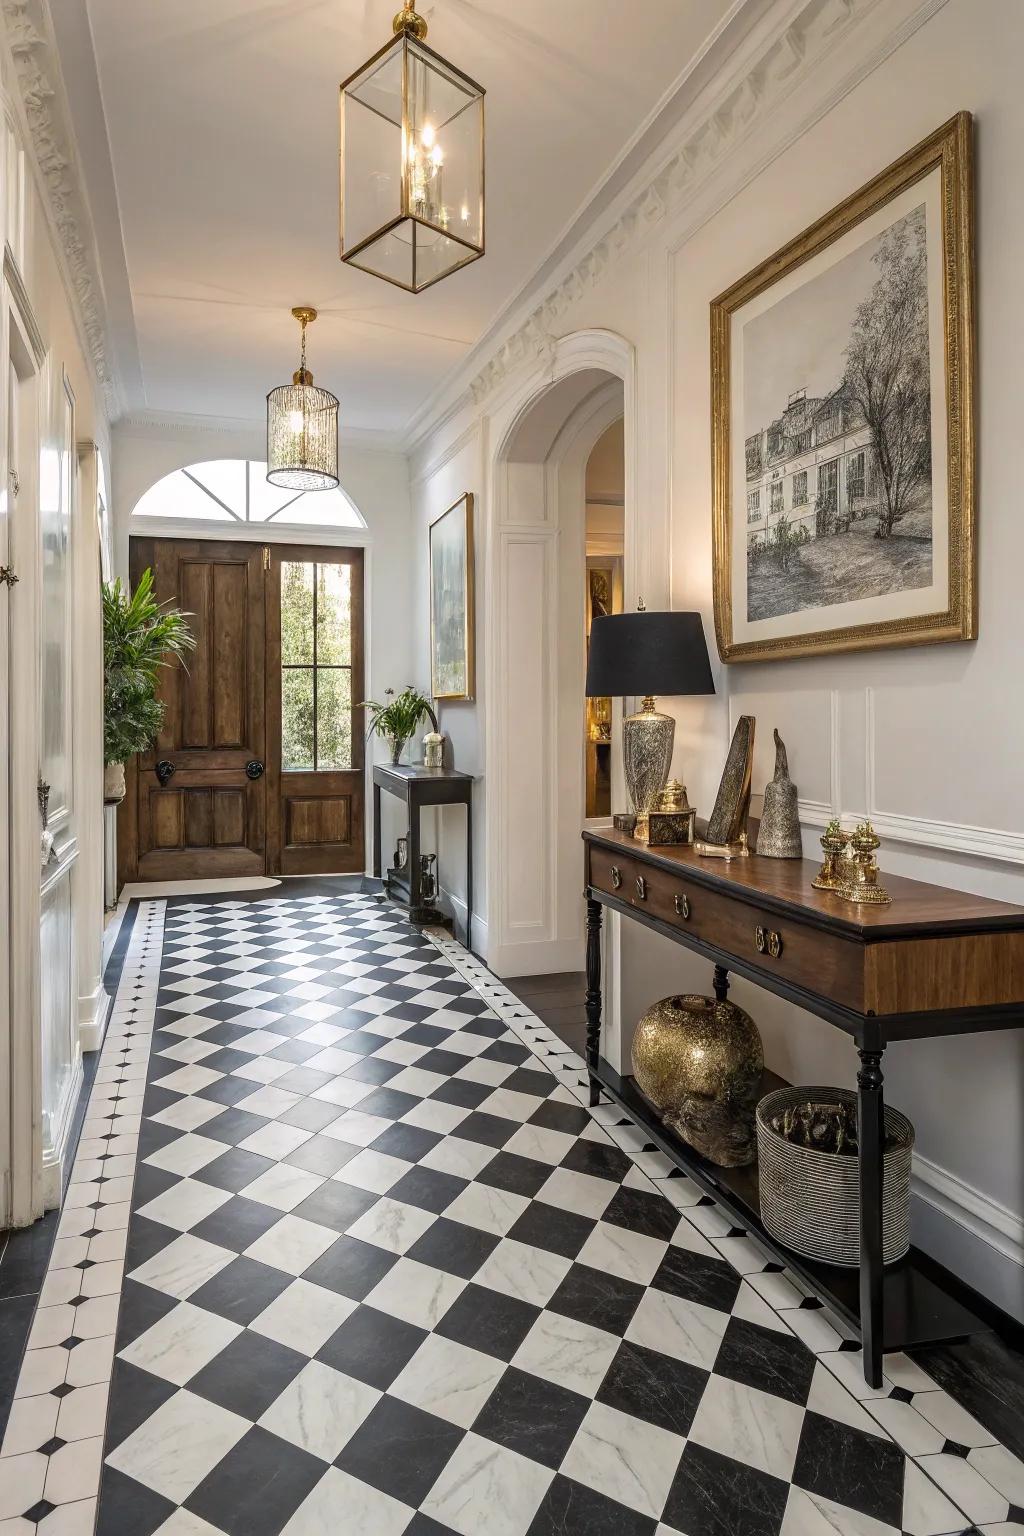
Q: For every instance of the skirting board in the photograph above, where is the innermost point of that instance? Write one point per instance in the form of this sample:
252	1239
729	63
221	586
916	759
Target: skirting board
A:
52	1182
458	907
970	1234
93	1012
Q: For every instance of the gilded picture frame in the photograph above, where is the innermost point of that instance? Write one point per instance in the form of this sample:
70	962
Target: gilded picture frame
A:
452	602
874	304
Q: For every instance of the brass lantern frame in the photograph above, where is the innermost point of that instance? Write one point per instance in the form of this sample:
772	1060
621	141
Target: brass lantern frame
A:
407	38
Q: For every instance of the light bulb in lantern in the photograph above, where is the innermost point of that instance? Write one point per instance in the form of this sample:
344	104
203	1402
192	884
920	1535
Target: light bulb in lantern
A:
295	421
428	136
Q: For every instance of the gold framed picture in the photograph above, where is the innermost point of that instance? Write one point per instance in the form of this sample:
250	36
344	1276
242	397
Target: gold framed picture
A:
842	385
452	650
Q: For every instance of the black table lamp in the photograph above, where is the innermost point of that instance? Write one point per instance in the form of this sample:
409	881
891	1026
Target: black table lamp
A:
644	654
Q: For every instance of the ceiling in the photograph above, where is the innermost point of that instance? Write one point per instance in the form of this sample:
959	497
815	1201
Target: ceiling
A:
209	137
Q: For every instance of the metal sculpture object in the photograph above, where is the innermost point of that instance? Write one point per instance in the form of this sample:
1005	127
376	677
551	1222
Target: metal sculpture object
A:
700	1062
732	803
778	835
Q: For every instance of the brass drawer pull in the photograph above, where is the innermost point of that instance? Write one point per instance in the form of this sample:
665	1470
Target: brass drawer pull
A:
682	906
767	943
641	888
616	877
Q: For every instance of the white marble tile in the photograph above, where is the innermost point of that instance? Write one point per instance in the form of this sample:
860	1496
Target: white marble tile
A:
927	1511
848	1366
432	1115
73	1473
808	1514
683	1329
753	1309
486	1487
83	1412
488	1209
180	1343
185	1204
269	1101
711	1220
292	1244
902	1421
320	1410
567	1352
375	1171
174	1449
187	1079
356	1128
751	1426
392	1224
21	1483
829	1398
30	1424
455	1155
966	1488
183	1266
189	1114
184	1523
814	1329
531	1274
90	1362
275	1140
629	1255
954	1422
448	1379
343	1091
625	1458
1003	1470
77	1519
304	1316
579	1192
368	1512
283	1186
538	1142
415	1292
777	1291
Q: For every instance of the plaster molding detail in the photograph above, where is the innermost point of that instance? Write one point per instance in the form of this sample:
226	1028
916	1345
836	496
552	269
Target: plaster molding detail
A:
809	30
33	51
175	423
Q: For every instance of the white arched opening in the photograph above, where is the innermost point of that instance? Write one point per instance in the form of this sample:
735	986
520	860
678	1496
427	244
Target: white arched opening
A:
536	647
235	496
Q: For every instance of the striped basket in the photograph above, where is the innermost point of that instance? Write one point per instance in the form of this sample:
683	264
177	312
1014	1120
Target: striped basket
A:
810	1200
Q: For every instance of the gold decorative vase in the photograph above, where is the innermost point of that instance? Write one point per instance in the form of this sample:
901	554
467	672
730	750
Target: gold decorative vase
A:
700	1063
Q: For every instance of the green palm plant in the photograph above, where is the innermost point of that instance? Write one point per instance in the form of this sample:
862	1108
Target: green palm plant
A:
140	636
398	718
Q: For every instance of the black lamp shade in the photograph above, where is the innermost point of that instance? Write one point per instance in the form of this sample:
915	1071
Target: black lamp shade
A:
648	653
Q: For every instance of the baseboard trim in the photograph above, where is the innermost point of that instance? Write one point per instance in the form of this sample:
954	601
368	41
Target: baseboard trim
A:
478	938
60	1156
970	1208
93	1013
537	957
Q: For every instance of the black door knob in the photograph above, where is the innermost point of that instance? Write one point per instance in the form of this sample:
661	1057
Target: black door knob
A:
165	770
254	769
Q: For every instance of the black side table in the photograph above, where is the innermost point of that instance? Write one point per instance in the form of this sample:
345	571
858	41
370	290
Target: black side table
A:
418	787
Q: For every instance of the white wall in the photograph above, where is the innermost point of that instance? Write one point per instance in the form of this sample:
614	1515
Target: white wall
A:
928	740
377	481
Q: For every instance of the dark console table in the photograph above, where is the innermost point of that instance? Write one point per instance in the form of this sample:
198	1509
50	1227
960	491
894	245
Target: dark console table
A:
419	787
935	962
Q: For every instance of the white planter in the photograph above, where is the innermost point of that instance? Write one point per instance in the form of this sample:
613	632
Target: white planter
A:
113	784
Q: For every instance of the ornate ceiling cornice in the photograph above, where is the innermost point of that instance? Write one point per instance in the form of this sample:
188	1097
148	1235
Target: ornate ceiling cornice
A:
51	148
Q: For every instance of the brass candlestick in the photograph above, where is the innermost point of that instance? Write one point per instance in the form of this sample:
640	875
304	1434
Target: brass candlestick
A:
860	884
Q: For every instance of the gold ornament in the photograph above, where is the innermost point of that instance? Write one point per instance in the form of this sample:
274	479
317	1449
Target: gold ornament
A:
860	869
700	1063
834	842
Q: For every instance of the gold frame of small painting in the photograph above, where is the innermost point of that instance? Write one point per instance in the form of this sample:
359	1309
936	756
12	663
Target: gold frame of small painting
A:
452	602
842	405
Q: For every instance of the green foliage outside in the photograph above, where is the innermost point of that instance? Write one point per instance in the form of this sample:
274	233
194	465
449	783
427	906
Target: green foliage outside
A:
316	657
140	636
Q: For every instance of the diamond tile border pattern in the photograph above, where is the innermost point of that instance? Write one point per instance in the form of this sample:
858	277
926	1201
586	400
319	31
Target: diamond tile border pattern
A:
343	1235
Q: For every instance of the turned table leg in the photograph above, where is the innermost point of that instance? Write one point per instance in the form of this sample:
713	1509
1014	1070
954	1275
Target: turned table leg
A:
721	984
592	1002
871	1121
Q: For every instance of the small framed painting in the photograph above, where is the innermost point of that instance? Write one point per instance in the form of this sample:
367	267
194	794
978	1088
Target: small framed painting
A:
842	374
451	602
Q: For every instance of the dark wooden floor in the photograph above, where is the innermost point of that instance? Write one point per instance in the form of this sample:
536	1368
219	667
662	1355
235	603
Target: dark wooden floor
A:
985	1373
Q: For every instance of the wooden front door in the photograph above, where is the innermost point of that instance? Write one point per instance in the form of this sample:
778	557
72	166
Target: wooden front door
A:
315	728
196	803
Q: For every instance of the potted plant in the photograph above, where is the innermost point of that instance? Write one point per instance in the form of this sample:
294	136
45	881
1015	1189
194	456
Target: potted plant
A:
398	717
140	636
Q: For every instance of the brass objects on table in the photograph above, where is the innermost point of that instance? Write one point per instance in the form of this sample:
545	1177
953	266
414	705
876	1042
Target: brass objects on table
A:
699	1062
835	842
672	820
778	834
732	803
727	851
860	872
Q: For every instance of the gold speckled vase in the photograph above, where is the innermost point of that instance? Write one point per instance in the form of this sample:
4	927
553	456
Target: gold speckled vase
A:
700	1063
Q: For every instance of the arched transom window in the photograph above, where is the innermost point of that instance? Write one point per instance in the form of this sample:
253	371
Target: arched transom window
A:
237	491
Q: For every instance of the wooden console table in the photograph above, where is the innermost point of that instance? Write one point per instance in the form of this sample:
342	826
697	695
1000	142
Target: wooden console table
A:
935	962
418	787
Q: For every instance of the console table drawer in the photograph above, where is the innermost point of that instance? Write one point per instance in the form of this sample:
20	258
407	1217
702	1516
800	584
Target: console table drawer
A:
614	874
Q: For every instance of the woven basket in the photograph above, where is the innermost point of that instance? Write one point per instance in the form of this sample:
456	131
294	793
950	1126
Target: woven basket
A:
810	1200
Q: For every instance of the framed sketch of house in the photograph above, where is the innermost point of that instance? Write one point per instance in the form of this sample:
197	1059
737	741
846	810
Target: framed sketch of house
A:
451	602
842	374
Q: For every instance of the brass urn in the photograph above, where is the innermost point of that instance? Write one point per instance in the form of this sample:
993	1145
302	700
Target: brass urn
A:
700	1063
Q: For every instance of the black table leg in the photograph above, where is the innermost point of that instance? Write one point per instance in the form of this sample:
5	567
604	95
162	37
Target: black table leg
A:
414	855
376	831
871	1119
469	871
592	1002
721	984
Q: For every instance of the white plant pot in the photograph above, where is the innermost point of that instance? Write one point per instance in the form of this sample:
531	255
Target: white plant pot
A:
113	784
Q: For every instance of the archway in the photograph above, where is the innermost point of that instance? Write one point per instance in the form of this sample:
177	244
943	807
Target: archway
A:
536	647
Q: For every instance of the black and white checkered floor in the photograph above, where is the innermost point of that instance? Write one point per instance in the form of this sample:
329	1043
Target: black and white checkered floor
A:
385	1273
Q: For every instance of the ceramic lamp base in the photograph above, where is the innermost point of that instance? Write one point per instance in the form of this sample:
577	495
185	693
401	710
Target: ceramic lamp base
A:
647	741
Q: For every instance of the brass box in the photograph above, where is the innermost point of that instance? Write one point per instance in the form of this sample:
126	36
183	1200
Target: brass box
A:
670	827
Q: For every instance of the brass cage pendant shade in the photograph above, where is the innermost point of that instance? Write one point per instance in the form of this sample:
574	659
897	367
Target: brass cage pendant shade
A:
412	162
302	428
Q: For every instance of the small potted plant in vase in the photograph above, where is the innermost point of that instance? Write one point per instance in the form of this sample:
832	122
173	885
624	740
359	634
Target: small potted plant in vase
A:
140	636
397	718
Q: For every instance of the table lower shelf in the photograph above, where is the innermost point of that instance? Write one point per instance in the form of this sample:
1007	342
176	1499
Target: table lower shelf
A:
916	1310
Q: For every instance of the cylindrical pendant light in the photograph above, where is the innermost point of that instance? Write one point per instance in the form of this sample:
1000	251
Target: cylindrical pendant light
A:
302	428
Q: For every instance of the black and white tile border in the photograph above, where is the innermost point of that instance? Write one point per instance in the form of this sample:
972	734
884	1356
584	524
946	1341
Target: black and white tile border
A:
51	1459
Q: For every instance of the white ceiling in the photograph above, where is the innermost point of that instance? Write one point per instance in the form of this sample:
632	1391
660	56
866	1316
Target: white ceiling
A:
209	135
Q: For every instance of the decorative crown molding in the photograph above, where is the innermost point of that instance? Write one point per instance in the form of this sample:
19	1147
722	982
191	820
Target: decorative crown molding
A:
774	63
52	152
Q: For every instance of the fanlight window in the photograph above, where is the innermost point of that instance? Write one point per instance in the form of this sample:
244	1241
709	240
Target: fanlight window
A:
237	491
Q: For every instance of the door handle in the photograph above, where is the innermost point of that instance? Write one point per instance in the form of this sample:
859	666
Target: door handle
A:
165	771
254	769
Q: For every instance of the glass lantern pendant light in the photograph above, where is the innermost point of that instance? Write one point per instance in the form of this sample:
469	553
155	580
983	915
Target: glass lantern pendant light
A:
302	428
412	162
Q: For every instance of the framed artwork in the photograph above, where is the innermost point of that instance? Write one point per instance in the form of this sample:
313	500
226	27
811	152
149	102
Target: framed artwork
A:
842	381
451	602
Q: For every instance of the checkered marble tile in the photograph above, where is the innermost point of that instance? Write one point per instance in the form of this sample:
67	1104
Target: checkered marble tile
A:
382	1270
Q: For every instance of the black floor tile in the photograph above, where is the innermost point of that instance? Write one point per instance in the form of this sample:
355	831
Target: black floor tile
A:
237	1224
351	1268
16	1313
127	1506
542	1226
716	1496
134	1396
533	1417
336	1205
572	1509
234	1170
248	1374
598	1299
242	1290
322	1154
650	1215
653	1387
428	1188
767	1359
257	1487
401	1450
454	1247
518	1175
697	1277
372	1346
486	1320
862	1471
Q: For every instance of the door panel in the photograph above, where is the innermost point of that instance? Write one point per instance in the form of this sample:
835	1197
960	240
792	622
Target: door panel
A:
315	727
209	818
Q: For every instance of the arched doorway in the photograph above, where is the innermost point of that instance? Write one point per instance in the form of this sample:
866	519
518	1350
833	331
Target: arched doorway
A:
536	646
